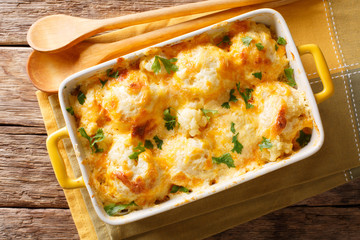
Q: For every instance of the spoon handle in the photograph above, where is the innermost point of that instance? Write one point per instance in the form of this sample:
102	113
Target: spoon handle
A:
117	49
173	12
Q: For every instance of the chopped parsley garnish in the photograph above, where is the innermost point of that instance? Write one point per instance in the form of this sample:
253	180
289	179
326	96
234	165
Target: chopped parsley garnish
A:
170	120
111	74
226	159
276	47
289	73
259	46
176	188
237	145
232	98
226	39
103	82
148	144
246	40
238	87
226	105
281	41
206	111
246	96
303	139
232	128
168	64
70	110
137	150
265	143
113	209
158	142
99	136
81	97
257	75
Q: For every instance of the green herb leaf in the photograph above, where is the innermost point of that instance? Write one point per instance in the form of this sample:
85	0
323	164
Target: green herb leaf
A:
281	41
176	188
259	46
257	75
226	159
170	120
226	105
97	149
232	96
289	73
81	97
238	87
237	145
265	143
247	96
70	110
103	83
156	67
232	128
115	74
246	40
108	71
137	150
158	142
84	134
226	39
113	209
168	65
148	144
303	139
276	47
111	74
99	136
206	111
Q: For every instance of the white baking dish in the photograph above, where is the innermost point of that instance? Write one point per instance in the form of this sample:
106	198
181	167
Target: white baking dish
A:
266	16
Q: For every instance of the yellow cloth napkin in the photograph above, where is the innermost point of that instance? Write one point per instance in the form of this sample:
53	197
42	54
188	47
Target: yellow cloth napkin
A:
309	22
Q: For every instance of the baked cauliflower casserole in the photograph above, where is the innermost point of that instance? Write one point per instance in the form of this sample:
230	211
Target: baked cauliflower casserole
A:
189	115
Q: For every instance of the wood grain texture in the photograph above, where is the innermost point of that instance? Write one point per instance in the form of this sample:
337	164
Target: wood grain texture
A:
23	223
18	104
26	175
299	223
17	16
287	223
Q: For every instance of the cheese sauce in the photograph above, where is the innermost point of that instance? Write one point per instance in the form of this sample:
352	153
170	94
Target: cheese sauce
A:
187	116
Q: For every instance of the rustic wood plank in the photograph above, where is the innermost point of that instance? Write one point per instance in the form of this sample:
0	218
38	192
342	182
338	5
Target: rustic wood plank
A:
22	223
27	178
299	223
18	104
344	195
17	16
288	223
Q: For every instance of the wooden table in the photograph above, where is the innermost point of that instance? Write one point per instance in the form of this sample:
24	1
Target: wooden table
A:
32	205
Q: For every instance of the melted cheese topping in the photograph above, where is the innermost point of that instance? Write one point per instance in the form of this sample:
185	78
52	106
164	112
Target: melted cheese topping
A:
129	108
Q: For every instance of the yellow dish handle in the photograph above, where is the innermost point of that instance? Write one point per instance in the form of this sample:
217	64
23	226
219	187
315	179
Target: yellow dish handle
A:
58	163
322	69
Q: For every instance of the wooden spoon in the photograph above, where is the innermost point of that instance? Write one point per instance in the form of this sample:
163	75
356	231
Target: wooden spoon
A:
59	32
47	70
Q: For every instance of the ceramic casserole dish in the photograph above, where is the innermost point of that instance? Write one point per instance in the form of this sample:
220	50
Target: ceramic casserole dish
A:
268	17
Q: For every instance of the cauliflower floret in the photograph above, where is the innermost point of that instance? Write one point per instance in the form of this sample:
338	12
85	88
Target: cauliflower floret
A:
191	121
